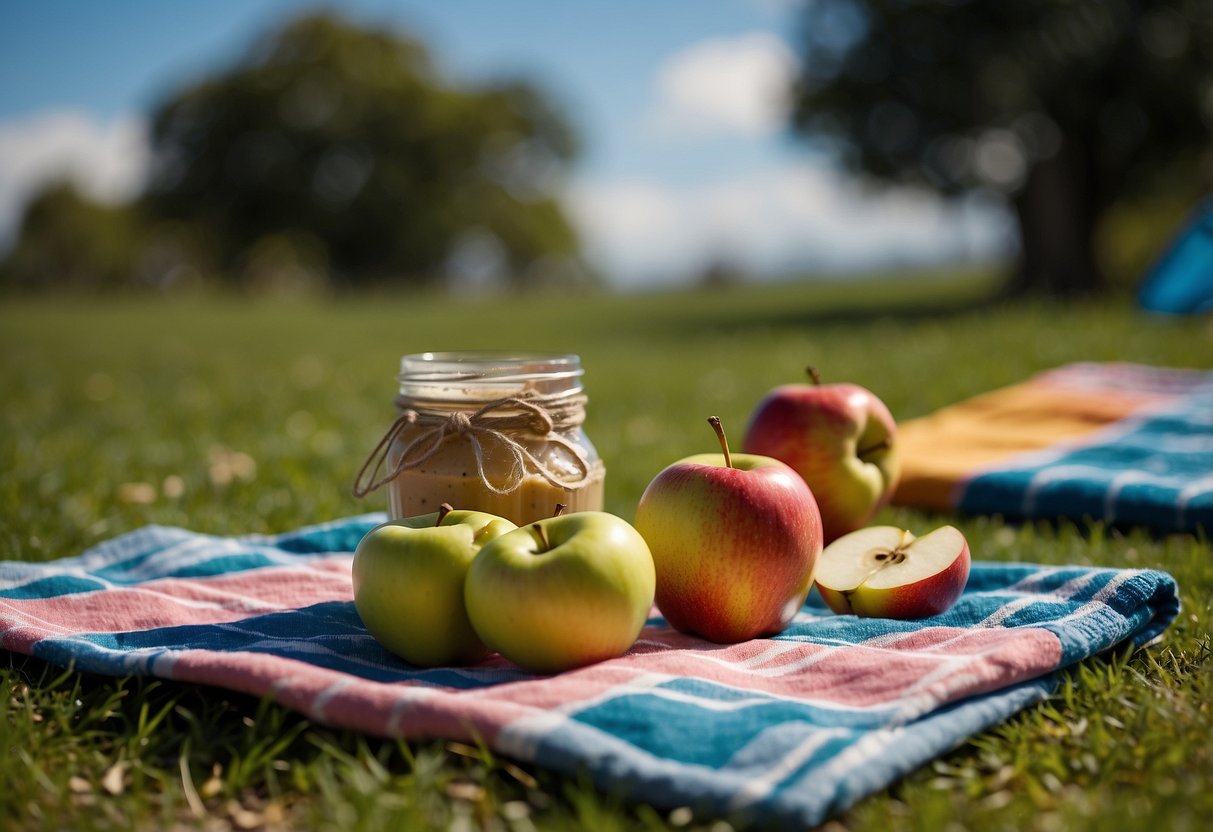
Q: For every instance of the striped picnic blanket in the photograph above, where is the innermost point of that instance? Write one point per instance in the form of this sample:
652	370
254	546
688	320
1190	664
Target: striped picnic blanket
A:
782	731
1127	444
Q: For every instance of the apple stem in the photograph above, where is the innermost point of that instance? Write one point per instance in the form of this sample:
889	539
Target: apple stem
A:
560	509
443	511
540	536
714	421
864	453
814	376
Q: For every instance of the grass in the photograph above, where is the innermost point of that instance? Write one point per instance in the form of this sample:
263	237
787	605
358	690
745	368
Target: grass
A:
233	417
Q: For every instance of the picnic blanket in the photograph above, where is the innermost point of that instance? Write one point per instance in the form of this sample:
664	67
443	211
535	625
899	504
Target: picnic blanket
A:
1128	444
778	731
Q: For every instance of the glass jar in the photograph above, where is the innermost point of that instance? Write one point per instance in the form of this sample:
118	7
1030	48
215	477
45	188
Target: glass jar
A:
488	431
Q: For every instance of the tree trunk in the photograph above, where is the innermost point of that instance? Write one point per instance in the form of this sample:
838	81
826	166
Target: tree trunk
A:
1057	210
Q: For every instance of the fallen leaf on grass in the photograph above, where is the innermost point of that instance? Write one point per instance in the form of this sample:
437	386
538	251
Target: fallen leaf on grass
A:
243	818
228	466
137	493
213	784
114	780
463	790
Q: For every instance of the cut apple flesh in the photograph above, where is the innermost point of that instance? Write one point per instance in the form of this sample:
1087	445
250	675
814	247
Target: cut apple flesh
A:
886	558
858	557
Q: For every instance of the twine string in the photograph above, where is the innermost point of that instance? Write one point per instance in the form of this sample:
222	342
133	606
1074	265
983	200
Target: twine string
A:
499	421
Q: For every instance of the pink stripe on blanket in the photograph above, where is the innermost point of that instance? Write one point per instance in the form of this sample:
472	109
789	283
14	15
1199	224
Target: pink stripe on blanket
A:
937	664
171	602
1157	382
339	699
915	682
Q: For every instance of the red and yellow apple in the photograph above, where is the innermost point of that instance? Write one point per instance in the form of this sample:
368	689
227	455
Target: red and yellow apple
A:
887	572
735	538
840	438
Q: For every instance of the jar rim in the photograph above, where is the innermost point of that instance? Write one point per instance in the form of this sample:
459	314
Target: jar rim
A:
488	366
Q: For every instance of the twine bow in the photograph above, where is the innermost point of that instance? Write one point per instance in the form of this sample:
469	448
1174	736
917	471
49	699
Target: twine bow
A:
501	420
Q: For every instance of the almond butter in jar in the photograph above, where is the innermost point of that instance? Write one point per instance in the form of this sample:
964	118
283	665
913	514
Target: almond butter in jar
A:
488	431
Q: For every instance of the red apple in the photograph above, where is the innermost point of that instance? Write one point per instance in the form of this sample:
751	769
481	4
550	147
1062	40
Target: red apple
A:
734	539
886	572
840	438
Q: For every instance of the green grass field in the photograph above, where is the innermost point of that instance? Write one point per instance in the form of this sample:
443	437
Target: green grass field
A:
232	417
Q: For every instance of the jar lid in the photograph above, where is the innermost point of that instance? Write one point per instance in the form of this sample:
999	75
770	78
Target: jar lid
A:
480	373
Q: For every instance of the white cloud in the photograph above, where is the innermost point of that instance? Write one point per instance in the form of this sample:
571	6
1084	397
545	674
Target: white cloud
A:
788	216
783	219
633	230
734	86
107	160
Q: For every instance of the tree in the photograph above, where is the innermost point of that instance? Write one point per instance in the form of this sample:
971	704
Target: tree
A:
1064	106
67	240
345	141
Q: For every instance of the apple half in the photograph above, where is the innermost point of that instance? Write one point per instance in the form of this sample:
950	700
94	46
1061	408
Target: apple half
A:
887	572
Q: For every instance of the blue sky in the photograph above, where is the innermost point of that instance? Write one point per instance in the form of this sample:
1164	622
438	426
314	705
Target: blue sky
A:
685	156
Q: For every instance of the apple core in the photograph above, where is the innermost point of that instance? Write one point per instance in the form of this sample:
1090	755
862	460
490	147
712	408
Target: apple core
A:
887	571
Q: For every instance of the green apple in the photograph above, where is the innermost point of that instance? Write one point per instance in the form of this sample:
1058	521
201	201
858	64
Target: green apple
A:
887	572
840	437
562	592
735	538
408	578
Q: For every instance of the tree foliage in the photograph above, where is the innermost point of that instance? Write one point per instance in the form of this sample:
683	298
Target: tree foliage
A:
345	144
67	240
1065	106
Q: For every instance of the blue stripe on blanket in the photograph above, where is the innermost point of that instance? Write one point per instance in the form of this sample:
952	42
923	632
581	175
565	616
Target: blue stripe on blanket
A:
1153	470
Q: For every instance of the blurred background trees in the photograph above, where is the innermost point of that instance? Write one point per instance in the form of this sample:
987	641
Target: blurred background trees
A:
67	240
1070	108
337	155
329	153
345	142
